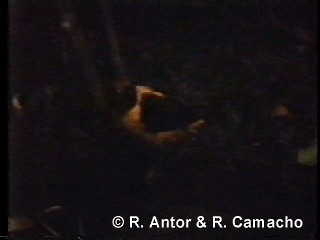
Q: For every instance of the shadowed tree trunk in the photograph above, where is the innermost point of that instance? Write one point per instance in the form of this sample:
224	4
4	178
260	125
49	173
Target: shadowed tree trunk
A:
70	23
123	79
113	41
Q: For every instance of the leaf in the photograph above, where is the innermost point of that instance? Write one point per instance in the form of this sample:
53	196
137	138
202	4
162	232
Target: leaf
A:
309	156
281	111
19	223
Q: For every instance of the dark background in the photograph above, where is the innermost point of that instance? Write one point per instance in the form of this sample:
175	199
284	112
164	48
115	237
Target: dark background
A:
231	62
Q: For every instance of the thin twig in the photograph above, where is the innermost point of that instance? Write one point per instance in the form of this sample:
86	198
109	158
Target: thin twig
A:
49	229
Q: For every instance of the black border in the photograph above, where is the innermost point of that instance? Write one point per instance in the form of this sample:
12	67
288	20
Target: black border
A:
4	95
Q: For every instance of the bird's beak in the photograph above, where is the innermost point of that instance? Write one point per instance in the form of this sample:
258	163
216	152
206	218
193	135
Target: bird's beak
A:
159	94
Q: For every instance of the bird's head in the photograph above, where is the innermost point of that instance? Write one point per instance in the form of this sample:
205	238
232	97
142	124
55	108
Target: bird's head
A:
144	94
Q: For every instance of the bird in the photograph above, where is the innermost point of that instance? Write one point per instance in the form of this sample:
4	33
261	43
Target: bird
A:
155	118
